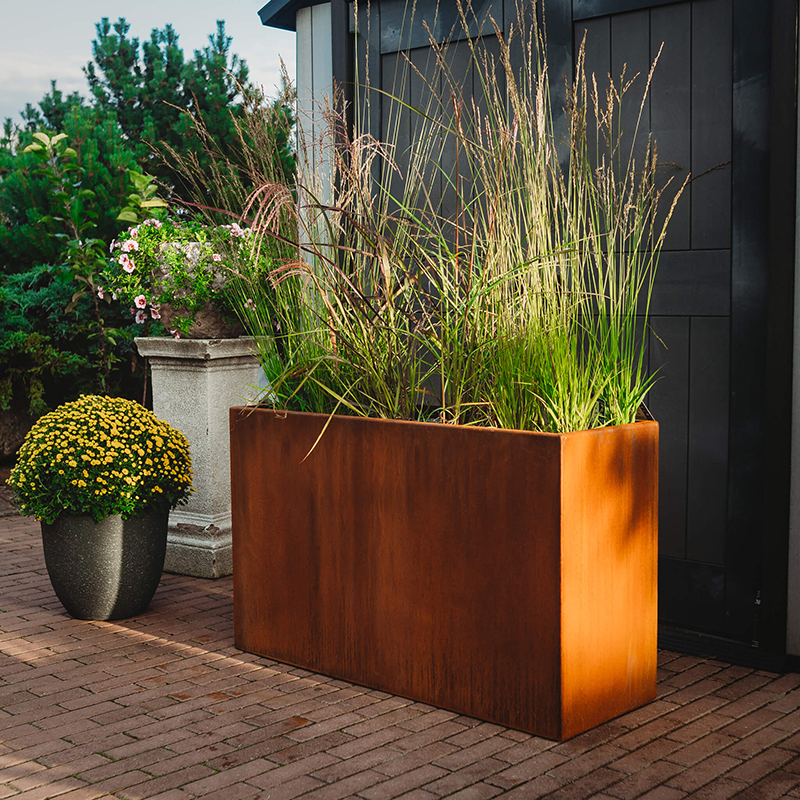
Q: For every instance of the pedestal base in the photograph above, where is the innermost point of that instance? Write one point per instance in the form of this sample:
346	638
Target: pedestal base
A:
201	551
195	382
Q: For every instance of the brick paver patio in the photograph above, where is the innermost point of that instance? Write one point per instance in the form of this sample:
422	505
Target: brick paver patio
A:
165	706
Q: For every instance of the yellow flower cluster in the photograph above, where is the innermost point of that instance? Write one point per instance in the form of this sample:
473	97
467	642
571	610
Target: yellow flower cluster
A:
100	456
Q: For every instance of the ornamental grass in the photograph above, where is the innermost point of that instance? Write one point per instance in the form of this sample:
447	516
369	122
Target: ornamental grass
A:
100	456
516	296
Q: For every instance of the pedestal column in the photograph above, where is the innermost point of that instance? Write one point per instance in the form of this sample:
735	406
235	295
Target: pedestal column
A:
195	382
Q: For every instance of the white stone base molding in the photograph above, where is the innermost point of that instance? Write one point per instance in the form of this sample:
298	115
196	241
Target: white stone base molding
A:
195	382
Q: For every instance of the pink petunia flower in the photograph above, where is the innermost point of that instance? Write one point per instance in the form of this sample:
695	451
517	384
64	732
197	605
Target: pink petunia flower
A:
154	312
126	262
140	301
217	257
130	245
140	317
100	292
176	334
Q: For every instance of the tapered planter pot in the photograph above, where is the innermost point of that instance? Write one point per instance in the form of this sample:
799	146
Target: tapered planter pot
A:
505	575
109	569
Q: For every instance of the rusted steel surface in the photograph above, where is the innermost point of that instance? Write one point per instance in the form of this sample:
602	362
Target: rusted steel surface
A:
609	555
505	575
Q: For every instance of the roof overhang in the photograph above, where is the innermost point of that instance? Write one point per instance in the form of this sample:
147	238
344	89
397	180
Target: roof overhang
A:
281	13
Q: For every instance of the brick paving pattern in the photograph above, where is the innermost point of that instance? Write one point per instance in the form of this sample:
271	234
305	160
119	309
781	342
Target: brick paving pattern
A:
6	506
164	706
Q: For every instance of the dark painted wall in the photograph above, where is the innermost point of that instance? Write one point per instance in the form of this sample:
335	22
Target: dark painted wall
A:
722	108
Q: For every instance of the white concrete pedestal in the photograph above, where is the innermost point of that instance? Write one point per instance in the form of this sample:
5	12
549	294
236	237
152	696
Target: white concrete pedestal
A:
195	382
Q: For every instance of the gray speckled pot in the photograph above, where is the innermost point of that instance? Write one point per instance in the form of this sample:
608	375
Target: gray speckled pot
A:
108	569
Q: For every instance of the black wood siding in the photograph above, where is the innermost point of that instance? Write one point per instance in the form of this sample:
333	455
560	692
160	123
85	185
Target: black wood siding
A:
717	112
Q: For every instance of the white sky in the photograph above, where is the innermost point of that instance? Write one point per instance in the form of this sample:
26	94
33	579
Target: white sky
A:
52	39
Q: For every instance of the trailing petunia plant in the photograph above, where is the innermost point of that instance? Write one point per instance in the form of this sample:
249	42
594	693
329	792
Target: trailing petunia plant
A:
100	456
174	269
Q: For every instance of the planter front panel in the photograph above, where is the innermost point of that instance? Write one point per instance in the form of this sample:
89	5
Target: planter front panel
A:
420	559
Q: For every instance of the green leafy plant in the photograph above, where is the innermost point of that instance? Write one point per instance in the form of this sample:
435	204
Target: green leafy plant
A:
519	306
176	269
31	215
36	352
49	356
100	456
84	254
27	362
142	202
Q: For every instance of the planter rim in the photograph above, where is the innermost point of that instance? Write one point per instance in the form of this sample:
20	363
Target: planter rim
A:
283	414
146	511
194	349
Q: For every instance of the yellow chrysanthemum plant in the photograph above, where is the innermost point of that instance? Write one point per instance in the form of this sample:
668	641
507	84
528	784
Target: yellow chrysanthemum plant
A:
101	456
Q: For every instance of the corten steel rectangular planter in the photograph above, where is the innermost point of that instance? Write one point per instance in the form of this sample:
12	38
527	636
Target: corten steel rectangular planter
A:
504	575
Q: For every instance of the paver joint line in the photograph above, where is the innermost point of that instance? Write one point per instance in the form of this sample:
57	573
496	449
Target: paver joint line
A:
165	706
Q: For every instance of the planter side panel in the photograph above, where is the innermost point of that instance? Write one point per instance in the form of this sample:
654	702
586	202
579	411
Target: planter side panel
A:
609	573
417	559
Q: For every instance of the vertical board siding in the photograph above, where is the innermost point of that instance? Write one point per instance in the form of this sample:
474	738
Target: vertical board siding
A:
314	82
395	120
322	74
707	498
781	346
670	107
595	34
689	113
368	75
711	123
669	404
418	107
631	58
693	283
750	155
454	170
424	138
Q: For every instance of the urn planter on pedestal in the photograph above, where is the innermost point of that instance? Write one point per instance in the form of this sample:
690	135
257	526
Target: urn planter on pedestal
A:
505	575
195	382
